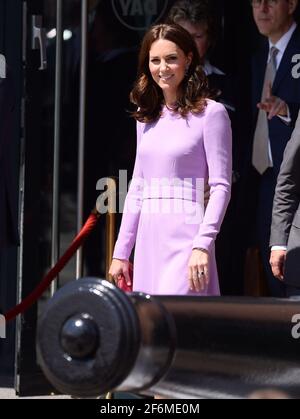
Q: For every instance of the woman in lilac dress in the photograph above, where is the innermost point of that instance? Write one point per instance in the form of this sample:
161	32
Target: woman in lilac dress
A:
183	142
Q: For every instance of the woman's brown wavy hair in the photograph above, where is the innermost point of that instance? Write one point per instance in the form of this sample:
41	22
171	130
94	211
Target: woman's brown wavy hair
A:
193	90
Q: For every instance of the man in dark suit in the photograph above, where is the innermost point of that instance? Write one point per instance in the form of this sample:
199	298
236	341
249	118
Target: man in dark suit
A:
285	231
276	102
8	221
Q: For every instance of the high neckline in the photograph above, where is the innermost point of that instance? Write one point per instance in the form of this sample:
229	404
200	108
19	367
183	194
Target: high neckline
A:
169	113
165	106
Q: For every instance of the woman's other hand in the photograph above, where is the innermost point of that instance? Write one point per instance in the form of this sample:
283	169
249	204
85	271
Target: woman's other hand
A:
198	270
118	268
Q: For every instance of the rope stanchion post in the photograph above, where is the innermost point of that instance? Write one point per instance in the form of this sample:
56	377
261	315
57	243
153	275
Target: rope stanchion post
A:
110	223
110	235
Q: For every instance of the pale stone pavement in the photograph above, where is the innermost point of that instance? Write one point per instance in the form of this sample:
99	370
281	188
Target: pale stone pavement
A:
7	391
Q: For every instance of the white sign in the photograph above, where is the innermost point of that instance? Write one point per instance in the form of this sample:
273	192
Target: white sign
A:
2	67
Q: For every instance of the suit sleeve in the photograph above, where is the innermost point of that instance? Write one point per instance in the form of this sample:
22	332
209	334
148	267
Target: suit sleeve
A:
132	208
287	194
294	110
218	150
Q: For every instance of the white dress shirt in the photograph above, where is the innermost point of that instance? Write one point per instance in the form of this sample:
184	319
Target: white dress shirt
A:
282	44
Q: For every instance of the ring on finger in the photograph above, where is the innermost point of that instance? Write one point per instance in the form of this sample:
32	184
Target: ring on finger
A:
201	274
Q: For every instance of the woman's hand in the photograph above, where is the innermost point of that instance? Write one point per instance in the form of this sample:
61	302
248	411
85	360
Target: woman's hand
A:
118	268
199	270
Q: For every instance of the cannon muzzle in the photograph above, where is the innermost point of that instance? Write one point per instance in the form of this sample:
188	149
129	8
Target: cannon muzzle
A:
93	338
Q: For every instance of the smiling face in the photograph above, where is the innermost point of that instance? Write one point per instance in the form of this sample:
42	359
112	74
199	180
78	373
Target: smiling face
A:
168	64
199	33
274	20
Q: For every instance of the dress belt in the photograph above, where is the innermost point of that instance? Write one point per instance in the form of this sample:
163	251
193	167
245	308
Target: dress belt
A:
173	192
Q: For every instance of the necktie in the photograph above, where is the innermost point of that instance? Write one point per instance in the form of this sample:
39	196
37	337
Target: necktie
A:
260	156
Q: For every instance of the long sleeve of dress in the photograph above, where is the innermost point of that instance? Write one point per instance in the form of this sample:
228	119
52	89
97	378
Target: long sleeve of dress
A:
218	151
132	209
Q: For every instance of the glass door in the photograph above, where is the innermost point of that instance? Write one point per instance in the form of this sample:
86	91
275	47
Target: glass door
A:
35	188
49	168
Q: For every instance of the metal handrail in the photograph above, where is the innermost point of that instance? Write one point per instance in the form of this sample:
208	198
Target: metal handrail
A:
82	126
110	223
55	241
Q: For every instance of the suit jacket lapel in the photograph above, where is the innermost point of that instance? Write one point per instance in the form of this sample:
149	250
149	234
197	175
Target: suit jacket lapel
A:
286	62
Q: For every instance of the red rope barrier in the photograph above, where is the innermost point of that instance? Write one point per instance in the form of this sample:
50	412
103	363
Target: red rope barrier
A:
41	288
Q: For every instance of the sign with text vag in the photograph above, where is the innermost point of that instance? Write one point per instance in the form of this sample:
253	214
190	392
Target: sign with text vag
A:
139	15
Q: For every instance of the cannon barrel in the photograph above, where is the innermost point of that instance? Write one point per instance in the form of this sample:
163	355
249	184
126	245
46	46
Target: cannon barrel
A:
93	338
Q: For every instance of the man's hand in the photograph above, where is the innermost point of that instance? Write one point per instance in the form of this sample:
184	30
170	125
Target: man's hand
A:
277	262
273	105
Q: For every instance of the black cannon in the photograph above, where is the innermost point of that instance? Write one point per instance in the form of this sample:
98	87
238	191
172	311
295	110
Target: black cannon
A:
93	338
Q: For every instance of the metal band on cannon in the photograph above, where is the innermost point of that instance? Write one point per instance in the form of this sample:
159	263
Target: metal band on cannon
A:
93	338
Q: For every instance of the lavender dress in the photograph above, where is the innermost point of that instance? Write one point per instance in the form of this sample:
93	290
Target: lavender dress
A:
164	213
